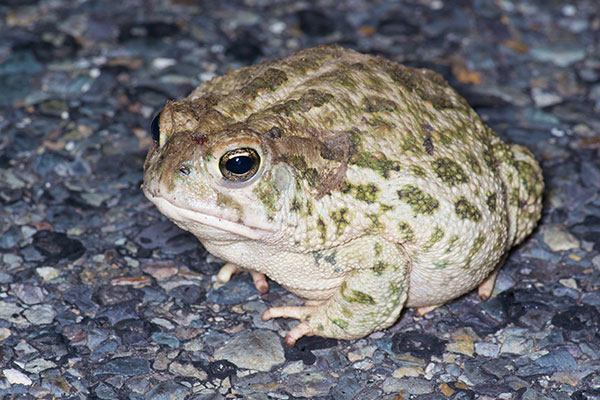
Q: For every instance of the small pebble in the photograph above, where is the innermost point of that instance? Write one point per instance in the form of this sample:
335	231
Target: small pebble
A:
558	239
40	314
259	350
47	273
4	333
16	377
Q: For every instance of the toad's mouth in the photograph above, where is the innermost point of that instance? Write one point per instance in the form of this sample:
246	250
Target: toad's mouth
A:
184	216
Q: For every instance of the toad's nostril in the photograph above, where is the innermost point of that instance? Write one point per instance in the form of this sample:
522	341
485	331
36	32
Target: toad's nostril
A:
184	170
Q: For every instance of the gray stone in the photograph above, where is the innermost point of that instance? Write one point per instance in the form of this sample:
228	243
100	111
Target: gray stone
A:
558	239
473	375
517	345
166	338
543	98
414	386
38	365
260	350
124	366
16	377
560	55
487	349
558	360
308	384
10	238
168	391
347	388
9	311
104	391
532	394
5	277
28	294
40	314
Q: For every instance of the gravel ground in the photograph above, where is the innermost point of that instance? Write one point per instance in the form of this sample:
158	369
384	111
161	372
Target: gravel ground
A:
102	298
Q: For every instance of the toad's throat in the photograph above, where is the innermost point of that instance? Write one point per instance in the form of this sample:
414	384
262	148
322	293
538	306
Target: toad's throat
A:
185	215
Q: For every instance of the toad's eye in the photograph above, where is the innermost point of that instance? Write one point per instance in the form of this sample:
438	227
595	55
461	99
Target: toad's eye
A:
239	165
154	127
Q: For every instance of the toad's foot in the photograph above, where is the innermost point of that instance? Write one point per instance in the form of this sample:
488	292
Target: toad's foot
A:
424	310
367	300
301	313
229	269
486	287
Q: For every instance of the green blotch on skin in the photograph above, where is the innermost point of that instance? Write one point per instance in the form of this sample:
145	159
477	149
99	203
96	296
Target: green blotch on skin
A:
340	323
341	76
490	200
418	171
402	75
309	207
441	264
503	152
477	244
346	187
310	175
451	243
396	288
466	210
367	192
418	200
322	228
406	232
381	124
346	312
268	194
330	258
509	177
490	159
376	224
378	248
381	165
356	296
314	98
270	80
340	219
436	236
363	192
529	178
320	327
444	138
379	267
473	163
372	104
226	201
449	171
311	99
296	205
513	198
298	162
412	143
385	208
415	81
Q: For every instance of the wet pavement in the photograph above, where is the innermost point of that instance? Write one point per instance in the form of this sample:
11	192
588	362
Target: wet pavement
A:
102	298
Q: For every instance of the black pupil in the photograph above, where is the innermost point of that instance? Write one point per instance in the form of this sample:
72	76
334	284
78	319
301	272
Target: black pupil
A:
239	164
154	128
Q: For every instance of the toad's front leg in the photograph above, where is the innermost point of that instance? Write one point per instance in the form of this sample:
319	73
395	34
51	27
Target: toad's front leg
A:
369	299
229	269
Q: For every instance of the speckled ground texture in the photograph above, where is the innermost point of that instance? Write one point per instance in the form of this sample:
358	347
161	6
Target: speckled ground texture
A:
102	298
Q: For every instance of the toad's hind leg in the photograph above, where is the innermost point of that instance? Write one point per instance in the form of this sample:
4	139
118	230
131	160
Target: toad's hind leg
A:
367	300
228	270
